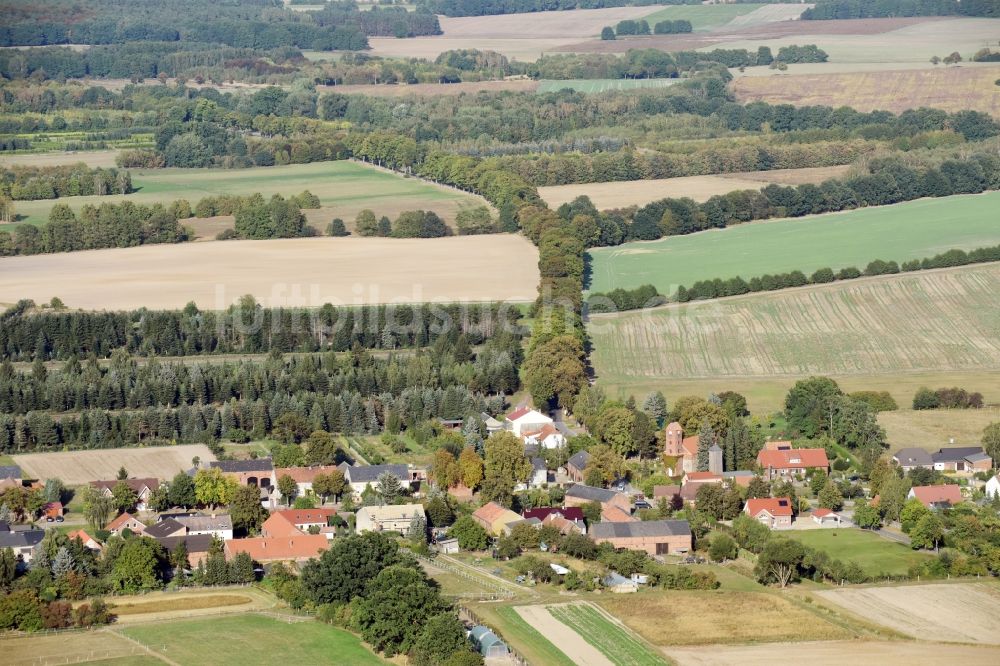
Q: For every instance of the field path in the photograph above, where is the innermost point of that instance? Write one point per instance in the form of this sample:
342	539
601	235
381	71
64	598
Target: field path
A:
564	638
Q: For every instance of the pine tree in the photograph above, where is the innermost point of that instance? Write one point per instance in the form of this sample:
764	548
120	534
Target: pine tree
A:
655	405
63	562
706	438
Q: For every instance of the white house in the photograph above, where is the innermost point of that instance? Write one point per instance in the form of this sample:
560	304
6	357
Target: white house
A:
390	518
993	487
525	419
220	526
539	475
546	437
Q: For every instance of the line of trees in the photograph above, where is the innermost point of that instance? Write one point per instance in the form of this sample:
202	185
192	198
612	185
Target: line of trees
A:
947	398
717	288
619	300
29	183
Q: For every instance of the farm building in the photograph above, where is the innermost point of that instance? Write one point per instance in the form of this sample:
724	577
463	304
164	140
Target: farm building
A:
304	476
391	518
165	528
278	549
656	537
576	465
936	497
580	494
492	425
487	643
962	459
447	546
775	512
568	520
783	463
913	458
259	472
197	546
10	477
494	517
740	477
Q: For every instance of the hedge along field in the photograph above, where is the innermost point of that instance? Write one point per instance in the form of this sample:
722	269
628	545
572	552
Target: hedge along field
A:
602	85
900	232
343	186
939	321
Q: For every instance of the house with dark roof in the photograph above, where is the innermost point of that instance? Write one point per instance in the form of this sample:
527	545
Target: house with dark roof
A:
539	475
913	458
568	520
255	472
576	464
166	528
359	476
197	546
143	489
962	459
614	506
656	537
22	542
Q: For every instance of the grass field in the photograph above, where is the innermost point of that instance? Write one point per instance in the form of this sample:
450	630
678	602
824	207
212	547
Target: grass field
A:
92	158
247	640
77	467
702	17
525	638
942	321
614	642
603	85
343	188
689	617
873	553
930	429
911	230
300	272
103	647
621	194
947	88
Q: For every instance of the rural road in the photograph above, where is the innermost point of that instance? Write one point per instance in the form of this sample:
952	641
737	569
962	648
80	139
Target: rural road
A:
894	536
568	641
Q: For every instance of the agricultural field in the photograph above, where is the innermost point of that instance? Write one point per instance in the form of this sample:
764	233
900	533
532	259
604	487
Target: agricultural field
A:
873	553
911	230
248	640
960	613
690	617
705	17
619	194
344	188
837	653
92	158
603	85
936	321
289	272
950	89
930	429
616	643
565	638
78	467
102	647
524	636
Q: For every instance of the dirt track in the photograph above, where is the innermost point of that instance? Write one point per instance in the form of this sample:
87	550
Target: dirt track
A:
568	641
837	653
303	272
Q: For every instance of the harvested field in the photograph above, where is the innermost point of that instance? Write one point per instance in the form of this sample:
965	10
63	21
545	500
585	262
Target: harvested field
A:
563	637
944	320
86	646
78	467
962	613
620	194
706	618
295	271
607	634
949	89
837	653
904	231
435	89
930	429
343	187
177	603
92	158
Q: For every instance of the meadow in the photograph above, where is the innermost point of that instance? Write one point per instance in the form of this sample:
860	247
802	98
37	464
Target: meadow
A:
602	85
910	230
942	321
874	554
703	17
343	187
930	429
247	640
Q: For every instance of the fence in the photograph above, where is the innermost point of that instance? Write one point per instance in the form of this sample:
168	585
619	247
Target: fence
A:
468	615
497	593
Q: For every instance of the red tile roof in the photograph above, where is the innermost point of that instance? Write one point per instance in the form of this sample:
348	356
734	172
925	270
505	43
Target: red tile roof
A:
776	506
278	525
690	445
83	536
265	549
616	514
704	477
489	512
53	509
793	459
121	520
304	516
947	494
822	513
518	413
778	445
303	474
665	491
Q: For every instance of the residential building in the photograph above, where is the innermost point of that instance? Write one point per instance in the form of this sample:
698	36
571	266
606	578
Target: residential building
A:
913	458
197	546
493	517
739	477
790	462
546	437
89	542
775	512
303	519
525	419
215	525
702	477
619	584
492	425
278	525
21	541
361	476
166	528
126	521
539	474
576	465
303	476
389	518
962	459
143	489
936	497
993	487
579	494
297	549
257	472
778	445
665	492
656	537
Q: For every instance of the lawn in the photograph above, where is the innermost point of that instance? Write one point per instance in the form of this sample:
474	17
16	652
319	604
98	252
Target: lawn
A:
603	85
702	17
99	646
523	637
875	554
614	642
911	230
343	187
252	639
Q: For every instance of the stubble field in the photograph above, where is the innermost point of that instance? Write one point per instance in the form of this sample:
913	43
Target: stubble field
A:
837	653
78	467
304	272
620	194
92	158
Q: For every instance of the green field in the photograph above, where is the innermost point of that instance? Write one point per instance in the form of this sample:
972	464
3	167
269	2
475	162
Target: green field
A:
937	327
702	17
875	554
525	638
900	232
344	186
614	642
603	85
246	640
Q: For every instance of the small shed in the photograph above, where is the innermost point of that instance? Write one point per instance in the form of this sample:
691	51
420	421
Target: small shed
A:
827	517
448	546
619	584
488	643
